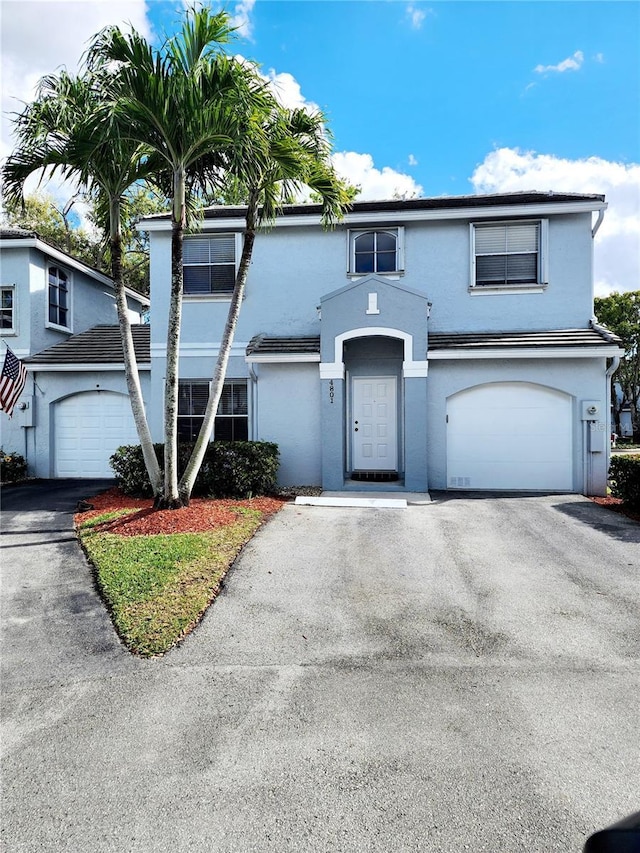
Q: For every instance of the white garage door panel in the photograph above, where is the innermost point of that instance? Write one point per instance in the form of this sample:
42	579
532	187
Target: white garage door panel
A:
510	435
88	429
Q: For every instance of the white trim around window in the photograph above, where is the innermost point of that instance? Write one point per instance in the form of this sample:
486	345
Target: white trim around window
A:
375	251
210	265
8	309
59	294
509	256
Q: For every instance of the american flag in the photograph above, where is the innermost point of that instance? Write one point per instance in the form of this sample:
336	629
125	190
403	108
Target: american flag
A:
12	381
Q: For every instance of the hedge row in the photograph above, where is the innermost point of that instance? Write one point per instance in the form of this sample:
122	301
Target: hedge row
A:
238	469
624	474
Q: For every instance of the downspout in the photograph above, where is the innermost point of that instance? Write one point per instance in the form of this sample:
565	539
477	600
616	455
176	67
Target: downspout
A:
595	228
254	402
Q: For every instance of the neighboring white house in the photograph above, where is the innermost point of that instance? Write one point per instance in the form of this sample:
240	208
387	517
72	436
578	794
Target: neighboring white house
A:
73	413
443	343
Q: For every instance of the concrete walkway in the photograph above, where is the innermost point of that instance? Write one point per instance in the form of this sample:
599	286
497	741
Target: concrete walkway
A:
459	675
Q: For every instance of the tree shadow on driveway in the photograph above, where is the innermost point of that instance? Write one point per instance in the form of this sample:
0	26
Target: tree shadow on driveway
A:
600	518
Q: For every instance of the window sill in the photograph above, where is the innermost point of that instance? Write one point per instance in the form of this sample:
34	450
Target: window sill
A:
393	276
208	297
492	290
57	328
8	333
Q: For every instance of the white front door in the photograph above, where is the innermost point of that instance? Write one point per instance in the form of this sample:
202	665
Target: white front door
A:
374	434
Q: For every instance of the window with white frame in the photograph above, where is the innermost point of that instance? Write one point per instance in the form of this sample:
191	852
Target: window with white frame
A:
8	309
209	264
59	288
376	251
232	421
508	254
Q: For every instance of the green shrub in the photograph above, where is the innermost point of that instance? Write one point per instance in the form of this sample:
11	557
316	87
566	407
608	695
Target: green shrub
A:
624	474
13	467
238	469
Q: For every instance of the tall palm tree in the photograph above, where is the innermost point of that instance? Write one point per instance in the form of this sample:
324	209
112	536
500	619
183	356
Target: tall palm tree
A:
64	130
279	155
184	102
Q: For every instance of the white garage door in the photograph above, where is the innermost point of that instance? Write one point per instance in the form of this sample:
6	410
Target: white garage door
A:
88	429
509	435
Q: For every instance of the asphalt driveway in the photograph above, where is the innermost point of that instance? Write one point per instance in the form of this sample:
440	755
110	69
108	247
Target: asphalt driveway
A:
463	675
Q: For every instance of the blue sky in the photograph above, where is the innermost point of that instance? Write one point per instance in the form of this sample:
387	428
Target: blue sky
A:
423	98
442	84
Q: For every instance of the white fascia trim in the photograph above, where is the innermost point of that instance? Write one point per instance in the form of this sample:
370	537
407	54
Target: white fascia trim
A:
528	352
199	349
68	261
281	358
80	368
404	216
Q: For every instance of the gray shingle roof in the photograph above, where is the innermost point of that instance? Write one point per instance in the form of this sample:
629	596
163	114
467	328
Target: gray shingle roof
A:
391	205
596	336
99	345
283	346
499	340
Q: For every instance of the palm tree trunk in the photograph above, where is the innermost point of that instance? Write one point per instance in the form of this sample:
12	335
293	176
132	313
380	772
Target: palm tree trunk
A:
128	349
193	467
171	498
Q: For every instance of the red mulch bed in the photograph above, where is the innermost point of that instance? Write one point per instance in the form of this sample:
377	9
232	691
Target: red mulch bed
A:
202	514
615	504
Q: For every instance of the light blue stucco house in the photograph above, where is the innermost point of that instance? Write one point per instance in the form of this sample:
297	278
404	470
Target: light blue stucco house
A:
74	410
444	343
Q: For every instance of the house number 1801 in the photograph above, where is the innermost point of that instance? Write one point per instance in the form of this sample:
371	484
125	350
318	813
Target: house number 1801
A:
331	391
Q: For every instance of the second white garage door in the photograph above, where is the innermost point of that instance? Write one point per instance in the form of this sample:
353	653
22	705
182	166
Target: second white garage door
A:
88	429
511	436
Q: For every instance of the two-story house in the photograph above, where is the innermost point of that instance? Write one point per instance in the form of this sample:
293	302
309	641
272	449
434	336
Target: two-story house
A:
443	343
74	410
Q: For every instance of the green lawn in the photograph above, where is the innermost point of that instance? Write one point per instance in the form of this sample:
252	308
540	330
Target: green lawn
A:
157	587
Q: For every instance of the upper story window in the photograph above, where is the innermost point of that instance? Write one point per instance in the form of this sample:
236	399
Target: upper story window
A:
509	254
8	324
209	264
59	291
232	421
379	251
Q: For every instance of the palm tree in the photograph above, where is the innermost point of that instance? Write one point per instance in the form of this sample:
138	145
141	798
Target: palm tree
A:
63	130
288	150
184	103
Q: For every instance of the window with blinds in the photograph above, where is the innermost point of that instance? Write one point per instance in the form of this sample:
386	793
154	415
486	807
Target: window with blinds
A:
232	421
507	253
209	264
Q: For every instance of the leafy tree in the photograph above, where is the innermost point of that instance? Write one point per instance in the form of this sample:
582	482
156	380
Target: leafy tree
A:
191	121
184	103
39	212
64	130
288	150
620	312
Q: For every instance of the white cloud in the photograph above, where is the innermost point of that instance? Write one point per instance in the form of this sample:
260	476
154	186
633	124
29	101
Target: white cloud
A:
287	90
376	183
617	252
572	63
599	57
40	37
412	160
416	16
241	17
